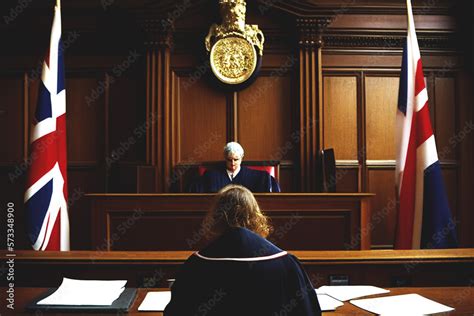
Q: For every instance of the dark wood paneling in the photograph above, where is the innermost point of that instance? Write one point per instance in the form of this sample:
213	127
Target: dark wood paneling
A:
366	21
465	148
381	95
264	119
375	60
82	179
11	120
12	186
445	116
340	116
126	117
164	221
33	86
290	227
347	179
153	230
384	212
201	122
85	115
288	179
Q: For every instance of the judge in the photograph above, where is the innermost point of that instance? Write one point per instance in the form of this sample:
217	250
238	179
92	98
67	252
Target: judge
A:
232	172
240	272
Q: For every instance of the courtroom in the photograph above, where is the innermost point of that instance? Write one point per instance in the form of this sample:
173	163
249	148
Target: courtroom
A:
237	157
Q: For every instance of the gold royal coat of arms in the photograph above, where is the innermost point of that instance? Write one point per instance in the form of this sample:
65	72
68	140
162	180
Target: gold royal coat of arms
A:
233	46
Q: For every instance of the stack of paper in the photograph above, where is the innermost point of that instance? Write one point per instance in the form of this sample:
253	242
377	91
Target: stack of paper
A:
155	301
85	292
330	298
348	292
327	303
407	304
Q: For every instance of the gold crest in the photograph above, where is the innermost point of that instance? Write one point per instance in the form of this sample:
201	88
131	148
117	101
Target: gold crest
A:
234	45
233	59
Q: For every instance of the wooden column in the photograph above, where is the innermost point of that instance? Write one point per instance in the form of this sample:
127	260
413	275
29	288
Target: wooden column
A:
310	97
158	100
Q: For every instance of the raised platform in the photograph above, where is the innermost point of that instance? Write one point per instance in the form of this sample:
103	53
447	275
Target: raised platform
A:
302	221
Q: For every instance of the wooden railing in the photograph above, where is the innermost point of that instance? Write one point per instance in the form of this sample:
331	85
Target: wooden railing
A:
386	268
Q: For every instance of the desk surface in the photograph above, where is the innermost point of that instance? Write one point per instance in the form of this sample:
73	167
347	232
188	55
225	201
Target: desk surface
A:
461	298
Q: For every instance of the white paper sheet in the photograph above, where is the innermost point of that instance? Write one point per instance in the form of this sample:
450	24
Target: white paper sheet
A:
407	304
327	303
318	291
348	292
85	292
155	301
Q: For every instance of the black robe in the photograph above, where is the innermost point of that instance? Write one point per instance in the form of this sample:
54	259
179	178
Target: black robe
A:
242	273
254	180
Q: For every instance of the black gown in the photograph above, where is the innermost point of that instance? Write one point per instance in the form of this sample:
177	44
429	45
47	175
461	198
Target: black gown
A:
242	273
254	180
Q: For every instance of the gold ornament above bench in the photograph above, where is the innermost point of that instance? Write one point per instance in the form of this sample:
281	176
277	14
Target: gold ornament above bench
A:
234	46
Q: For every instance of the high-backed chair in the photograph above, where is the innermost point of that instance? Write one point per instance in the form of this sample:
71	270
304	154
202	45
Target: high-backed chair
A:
272	167
327	170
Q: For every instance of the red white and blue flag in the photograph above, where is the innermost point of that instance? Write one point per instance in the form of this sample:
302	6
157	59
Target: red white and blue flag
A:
424	217
46	191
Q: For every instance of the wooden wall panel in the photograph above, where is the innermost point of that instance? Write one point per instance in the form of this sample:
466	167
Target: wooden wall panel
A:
374	60
287	179
397	21
202	122
445	116
347	179
85	125
82	180
124	117
264	119
384	214
381	94
12	186
465	147
33	86
11	120
340	116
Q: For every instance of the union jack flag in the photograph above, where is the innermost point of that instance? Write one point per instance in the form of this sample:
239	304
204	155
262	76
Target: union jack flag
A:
46	191
424	217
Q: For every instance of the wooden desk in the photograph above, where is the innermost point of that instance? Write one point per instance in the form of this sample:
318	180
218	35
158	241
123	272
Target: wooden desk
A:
302	221
461	298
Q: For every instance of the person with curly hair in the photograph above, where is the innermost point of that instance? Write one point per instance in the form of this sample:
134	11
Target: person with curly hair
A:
240	272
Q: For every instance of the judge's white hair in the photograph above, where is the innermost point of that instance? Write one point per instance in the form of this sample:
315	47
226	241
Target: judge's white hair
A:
233	148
